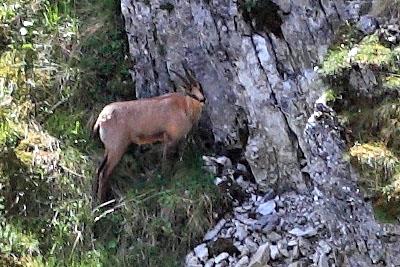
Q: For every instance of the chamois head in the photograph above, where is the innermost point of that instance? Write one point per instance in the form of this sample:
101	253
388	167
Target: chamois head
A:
191	86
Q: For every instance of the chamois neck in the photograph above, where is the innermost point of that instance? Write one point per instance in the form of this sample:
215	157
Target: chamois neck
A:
195	108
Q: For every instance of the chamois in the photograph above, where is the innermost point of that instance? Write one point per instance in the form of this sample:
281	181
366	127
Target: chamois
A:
167	118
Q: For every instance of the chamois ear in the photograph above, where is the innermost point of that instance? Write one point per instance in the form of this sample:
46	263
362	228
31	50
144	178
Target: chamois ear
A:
182	88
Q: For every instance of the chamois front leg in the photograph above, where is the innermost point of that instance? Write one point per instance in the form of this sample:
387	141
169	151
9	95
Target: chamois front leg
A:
168	145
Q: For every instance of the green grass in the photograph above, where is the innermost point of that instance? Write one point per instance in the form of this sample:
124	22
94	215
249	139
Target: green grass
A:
371	52
386	211
336	62
170	215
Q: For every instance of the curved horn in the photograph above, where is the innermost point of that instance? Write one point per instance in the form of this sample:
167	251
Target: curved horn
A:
181	77
189	75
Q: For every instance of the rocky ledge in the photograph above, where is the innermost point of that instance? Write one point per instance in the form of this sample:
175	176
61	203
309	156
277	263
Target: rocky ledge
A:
330	225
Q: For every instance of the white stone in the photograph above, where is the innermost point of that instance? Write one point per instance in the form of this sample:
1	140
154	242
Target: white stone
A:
201	252
282	247
192	261
241	232
210	263
243	262
244	251
274	252
218	180
274	236
214	232
241	167
23	31
225	161
251	245
27	23
267	207
261	257
221	257
309	231
324	246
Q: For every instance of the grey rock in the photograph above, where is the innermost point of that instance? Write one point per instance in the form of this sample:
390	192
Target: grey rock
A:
301	220
305	247
201	252
307	232
225	161
274	252
282	246
247	207
221	257
240	209
267	221
274	236
245	220
323	261
324	246
210	165
244	251
210	263
297	264
219	180
261	257
192	261
296	252
243	262
241	167
267	207
251	245
367	24
229	232
214	232
241	232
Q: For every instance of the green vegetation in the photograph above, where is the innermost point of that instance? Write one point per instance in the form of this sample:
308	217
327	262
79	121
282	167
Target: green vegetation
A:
367	53
60	62
160	219
336	62
371	52
373	118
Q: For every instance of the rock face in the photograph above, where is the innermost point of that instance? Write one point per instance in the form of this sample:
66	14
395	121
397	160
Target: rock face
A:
257	63
331	225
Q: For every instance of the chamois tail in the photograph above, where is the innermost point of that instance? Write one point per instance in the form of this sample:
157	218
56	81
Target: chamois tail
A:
94	126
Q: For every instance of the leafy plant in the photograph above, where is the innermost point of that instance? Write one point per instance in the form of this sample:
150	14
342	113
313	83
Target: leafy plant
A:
336	62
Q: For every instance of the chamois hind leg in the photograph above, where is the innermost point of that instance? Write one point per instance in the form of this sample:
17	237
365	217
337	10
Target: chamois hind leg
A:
95	185
165	165
113	157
